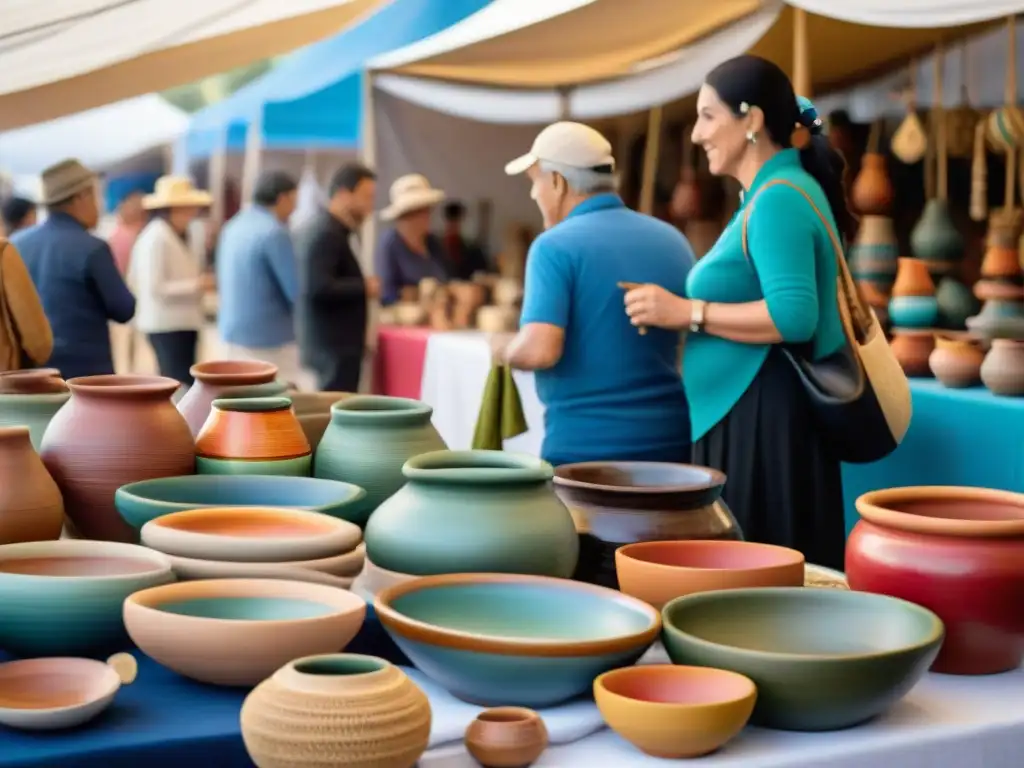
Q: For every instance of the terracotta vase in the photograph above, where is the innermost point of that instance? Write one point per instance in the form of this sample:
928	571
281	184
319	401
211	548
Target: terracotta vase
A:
506	737
33	410
34	381
31	507
912	349
1003	369
1001	262
956	551
114	430
912	278
226	378
342	710
956	303
874	254
956	363
253	436
936	240
872	191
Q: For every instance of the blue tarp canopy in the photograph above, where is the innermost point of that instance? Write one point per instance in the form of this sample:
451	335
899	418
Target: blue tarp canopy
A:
313	98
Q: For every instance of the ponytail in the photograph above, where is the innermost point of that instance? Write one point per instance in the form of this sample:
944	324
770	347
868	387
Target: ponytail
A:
828	167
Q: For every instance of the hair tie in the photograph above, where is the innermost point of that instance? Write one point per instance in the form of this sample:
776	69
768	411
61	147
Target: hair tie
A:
808	123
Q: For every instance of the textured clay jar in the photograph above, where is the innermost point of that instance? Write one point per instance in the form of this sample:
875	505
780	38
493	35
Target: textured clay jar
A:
507	737
913	279
253	436
956	363
872	191
913	350
874	254
113	431
342	710
31	507
226	378
1003	369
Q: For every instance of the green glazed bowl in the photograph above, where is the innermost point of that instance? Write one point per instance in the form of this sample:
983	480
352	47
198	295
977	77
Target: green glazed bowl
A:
146	500
822	659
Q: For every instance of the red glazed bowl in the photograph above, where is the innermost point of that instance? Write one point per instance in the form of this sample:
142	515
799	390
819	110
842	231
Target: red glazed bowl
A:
957	551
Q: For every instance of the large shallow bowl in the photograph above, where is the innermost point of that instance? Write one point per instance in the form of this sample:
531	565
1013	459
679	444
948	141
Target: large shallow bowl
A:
822	659
63	598
503	639
239	631
345	566
141	502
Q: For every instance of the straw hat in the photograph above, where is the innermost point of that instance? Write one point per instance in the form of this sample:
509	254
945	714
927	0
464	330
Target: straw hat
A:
175	192
64	180
411	193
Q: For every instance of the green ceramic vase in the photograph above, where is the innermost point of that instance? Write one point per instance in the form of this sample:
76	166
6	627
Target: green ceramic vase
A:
34	411
474	512
936	240
369	439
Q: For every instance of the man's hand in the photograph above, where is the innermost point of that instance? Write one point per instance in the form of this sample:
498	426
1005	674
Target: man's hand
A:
499	347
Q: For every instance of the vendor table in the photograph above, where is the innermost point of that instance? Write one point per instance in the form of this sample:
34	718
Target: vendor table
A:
398	365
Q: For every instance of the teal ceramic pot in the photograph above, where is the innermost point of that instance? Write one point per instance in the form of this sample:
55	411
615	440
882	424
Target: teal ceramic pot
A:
368	441
474	511
936	240
147	500
873	254
822	659
64	598
913	311
34	411
508	640
998	319
956	303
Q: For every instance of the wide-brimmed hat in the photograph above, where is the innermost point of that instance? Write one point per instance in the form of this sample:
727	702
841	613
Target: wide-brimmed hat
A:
571	144
65	180
411	193
176	192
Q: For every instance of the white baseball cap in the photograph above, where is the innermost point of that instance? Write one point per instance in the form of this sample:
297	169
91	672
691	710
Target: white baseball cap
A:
573	144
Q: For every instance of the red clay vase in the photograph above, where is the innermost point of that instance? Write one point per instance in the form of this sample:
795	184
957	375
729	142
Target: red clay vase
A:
956	551
226	378
114	430
31	508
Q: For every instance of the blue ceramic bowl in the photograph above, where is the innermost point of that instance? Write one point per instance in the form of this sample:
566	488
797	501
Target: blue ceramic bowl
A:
913	311
141	502
510	640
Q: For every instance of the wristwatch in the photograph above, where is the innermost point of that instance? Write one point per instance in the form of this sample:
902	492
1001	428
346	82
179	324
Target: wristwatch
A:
697	315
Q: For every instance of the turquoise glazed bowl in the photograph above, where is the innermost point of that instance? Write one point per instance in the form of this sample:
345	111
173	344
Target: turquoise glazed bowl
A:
510	640
64	598
913	311
141	502
822	659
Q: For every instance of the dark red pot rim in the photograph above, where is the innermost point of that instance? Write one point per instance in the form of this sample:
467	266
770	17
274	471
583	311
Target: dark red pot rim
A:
881	508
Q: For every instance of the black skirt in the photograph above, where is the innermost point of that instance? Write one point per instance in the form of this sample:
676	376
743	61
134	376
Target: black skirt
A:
782	485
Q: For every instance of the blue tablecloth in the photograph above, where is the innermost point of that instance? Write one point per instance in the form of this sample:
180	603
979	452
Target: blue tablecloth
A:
956	437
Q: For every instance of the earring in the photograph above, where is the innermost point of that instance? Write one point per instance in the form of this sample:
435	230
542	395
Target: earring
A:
752	137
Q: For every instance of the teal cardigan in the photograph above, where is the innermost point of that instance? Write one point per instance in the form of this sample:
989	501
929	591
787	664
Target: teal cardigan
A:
794	271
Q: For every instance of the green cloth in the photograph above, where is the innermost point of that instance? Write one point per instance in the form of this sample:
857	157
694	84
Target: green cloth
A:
501	412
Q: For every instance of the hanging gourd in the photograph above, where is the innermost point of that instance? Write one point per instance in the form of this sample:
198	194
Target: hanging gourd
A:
910	141
872	191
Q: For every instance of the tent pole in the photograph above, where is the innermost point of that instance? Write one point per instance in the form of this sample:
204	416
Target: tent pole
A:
368	156
251	161
652	148
217	176
564	103
801	55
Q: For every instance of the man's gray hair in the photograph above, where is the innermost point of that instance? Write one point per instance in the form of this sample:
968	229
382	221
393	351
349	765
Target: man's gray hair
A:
583	181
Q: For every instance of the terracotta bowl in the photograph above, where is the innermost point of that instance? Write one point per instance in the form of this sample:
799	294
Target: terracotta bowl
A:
507	736
251	534
237	632
344	566
63	598
675	712
512	640
658	571
822	659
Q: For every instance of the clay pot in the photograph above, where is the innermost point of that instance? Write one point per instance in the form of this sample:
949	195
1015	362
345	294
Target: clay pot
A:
956	551
1001	262
506	737
956	362
494	319
956	303
467	298
35	381
872	191
998	319
1003	369
34	411
253	436
912	278
114	430
409	313
912	350
342	710
874	253
226	378
31	507
507	292
936	240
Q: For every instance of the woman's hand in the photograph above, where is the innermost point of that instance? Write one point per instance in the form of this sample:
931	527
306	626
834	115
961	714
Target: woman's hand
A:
652	306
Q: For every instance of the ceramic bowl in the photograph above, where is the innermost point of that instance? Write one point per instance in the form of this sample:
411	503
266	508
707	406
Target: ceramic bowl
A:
251	534
512	736
53	693
504	639
675	712
658	571
822	659
63	598
344	566
237	632
141	502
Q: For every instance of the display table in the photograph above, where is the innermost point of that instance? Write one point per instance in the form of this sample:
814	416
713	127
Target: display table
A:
398	365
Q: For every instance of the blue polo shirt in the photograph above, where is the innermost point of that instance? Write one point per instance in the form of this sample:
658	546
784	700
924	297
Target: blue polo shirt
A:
614	394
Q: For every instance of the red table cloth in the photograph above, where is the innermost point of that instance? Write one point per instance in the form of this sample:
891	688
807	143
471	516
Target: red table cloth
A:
398	366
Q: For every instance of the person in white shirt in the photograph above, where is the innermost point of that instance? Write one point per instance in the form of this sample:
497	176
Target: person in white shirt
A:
167	277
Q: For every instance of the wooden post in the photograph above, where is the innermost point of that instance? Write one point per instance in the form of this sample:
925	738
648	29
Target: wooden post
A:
801	55
652	149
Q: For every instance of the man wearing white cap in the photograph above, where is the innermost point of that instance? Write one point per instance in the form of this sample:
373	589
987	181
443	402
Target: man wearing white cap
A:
610	393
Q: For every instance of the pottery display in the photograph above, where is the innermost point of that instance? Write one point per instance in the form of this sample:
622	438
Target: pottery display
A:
622	502
822	659
1002	371
912	349
63	598
935	240
340	710
874	252
474	511
237	632
141	502
659	571
675	712
253	436
957	551
313	410
956	362
337	570
222	379
369	439
31	507
55	693
506	737
114	430
251	534
467	298
956	303
872	192
512	640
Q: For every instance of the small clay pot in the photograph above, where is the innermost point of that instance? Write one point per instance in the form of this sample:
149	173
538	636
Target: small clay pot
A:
507	737
35	381
1001	262
872	191
956	362
1003	369
913	278
912	349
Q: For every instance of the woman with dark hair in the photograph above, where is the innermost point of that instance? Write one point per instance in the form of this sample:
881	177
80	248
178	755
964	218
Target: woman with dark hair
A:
769	282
